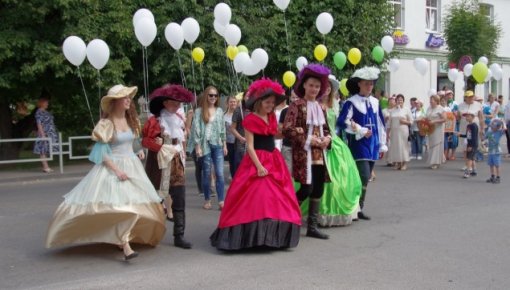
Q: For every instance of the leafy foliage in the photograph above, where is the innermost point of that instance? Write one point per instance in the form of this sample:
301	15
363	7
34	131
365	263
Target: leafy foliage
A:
468	31
32	33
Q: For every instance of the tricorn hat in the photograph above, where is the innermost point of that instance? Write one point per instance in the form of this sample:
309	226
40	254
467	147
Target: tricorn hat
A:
365	73
168	92
313	70
263	88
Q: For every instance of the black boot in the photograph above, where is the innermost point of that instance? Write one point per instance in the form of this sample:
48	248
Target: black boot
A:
313	221
363	216
179	225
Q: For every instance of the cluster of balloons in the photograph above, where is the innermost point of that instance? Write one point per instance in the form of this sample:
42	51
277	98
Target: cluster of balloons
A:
481	73
250	65
145	26
176	34
75	51
222	25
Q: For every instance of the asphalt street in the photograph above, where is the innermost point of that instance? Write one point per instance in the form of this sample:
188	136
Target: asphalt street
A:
430	229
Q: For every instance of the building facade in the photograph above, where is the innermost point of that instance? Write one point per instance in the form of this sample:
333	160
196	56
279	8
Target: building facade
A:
419	34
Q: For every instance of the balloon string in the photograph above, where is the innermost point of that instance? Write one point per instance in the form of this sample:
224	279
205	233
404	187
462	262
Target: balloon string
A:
143	75
287	37
99	90
183	76
86	98
202	76
193	69
227	62
147	88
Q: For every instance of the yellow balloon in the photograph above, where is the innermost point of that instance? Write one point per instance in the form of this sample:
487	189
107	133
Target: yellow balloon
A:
354	56
198	54
343	87
232	51
242	48
289	78
320	52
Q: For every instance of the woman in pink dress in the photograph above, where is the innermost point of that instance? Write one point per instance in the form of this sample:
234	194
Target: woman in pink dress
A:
261	209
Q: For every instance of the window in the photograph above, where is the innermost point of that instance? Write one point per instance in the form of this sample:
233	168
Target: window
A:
398	13
432	14
488	11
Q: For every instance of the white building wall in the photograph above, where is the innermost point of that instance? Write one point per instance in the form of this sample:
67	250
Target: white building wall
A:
410	83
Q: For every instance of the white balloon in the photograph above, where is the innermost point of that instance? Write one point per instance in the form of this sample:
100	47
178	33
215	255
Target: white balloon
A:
301	62
233	34
145	31
219	28
394	65
421	65
174	35
75	50
489	76
453	74
387	43
483	59
222	13
190	29
240	61
260	58
98	53
282	4
250	68
497	74
324	22
142	13
468	68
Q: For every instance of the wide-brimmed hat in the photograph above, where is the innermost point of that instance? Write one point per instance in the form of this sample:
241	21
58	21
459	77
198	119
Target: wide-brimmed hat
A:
117	92
168	92
365	73
264	88
314	70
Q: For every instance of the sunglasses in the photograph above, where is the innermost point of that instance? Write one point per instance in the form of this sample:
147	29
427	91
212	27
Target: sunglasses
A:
213	95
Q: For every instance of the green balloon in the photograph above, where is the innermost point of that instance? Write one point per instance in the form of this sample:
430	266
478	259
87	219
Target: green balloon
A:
480	72
340	59
242	48
378	54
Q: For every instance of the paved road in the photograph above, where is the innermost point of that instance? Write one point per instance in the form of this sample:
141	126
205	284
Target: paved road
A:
430	230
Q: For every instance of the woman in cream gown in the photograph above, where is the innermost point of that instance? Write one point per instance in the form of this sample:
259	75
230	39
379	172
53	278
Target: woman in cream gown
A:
436	116
115	202
399	121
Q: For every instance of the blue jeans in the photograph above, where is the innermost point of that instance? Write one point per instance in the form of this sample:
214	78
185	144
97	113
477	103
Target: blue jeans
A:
217	159
416	144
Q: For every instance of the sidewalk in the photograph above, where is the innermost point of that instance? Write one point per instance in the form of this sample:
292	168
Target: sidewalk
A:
71	171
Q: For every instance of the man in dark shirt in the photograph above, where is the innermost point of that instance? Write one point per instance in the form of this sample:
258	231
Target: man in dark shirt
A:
237	130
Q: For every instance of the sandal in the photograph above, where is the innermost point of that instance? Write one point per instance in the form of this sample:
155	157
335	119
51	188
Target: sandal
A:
47	170
207	205
221	204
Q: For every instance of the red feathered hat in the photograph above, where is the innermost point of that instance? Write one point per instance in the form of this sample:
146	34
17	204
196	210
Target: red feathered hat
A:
263	88
168	92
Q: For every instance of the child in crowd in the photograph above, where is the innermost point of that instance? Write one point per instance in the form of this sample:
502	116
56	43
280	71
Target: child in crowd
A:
492	137
471	136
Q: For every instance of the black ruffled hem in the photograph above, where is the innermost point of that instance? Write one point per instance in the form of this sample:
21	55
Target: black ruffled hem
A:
261	233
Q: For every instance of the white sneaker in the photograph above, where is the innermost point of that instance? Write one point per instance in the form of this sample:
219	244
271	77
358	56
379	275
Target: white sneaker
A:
413	157
419	158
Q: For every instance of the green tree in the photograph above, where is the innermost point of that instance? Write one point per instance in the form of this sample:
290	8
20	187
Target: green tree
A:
468	31
32	33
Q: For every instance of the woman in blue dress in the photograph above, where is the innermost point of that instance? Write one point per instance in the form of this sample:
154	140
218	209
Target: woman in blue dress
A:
45	129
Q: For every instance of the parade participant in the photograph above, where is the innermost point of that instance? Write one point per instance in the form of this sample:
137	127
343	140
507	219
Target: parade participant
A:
261	208
340	201
452	141
470	106
209	139
417	140
362	119
286	144
493	137
471	135
238	131
436	118
163	135
306	127
398	130
115	202
231	107
392	103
